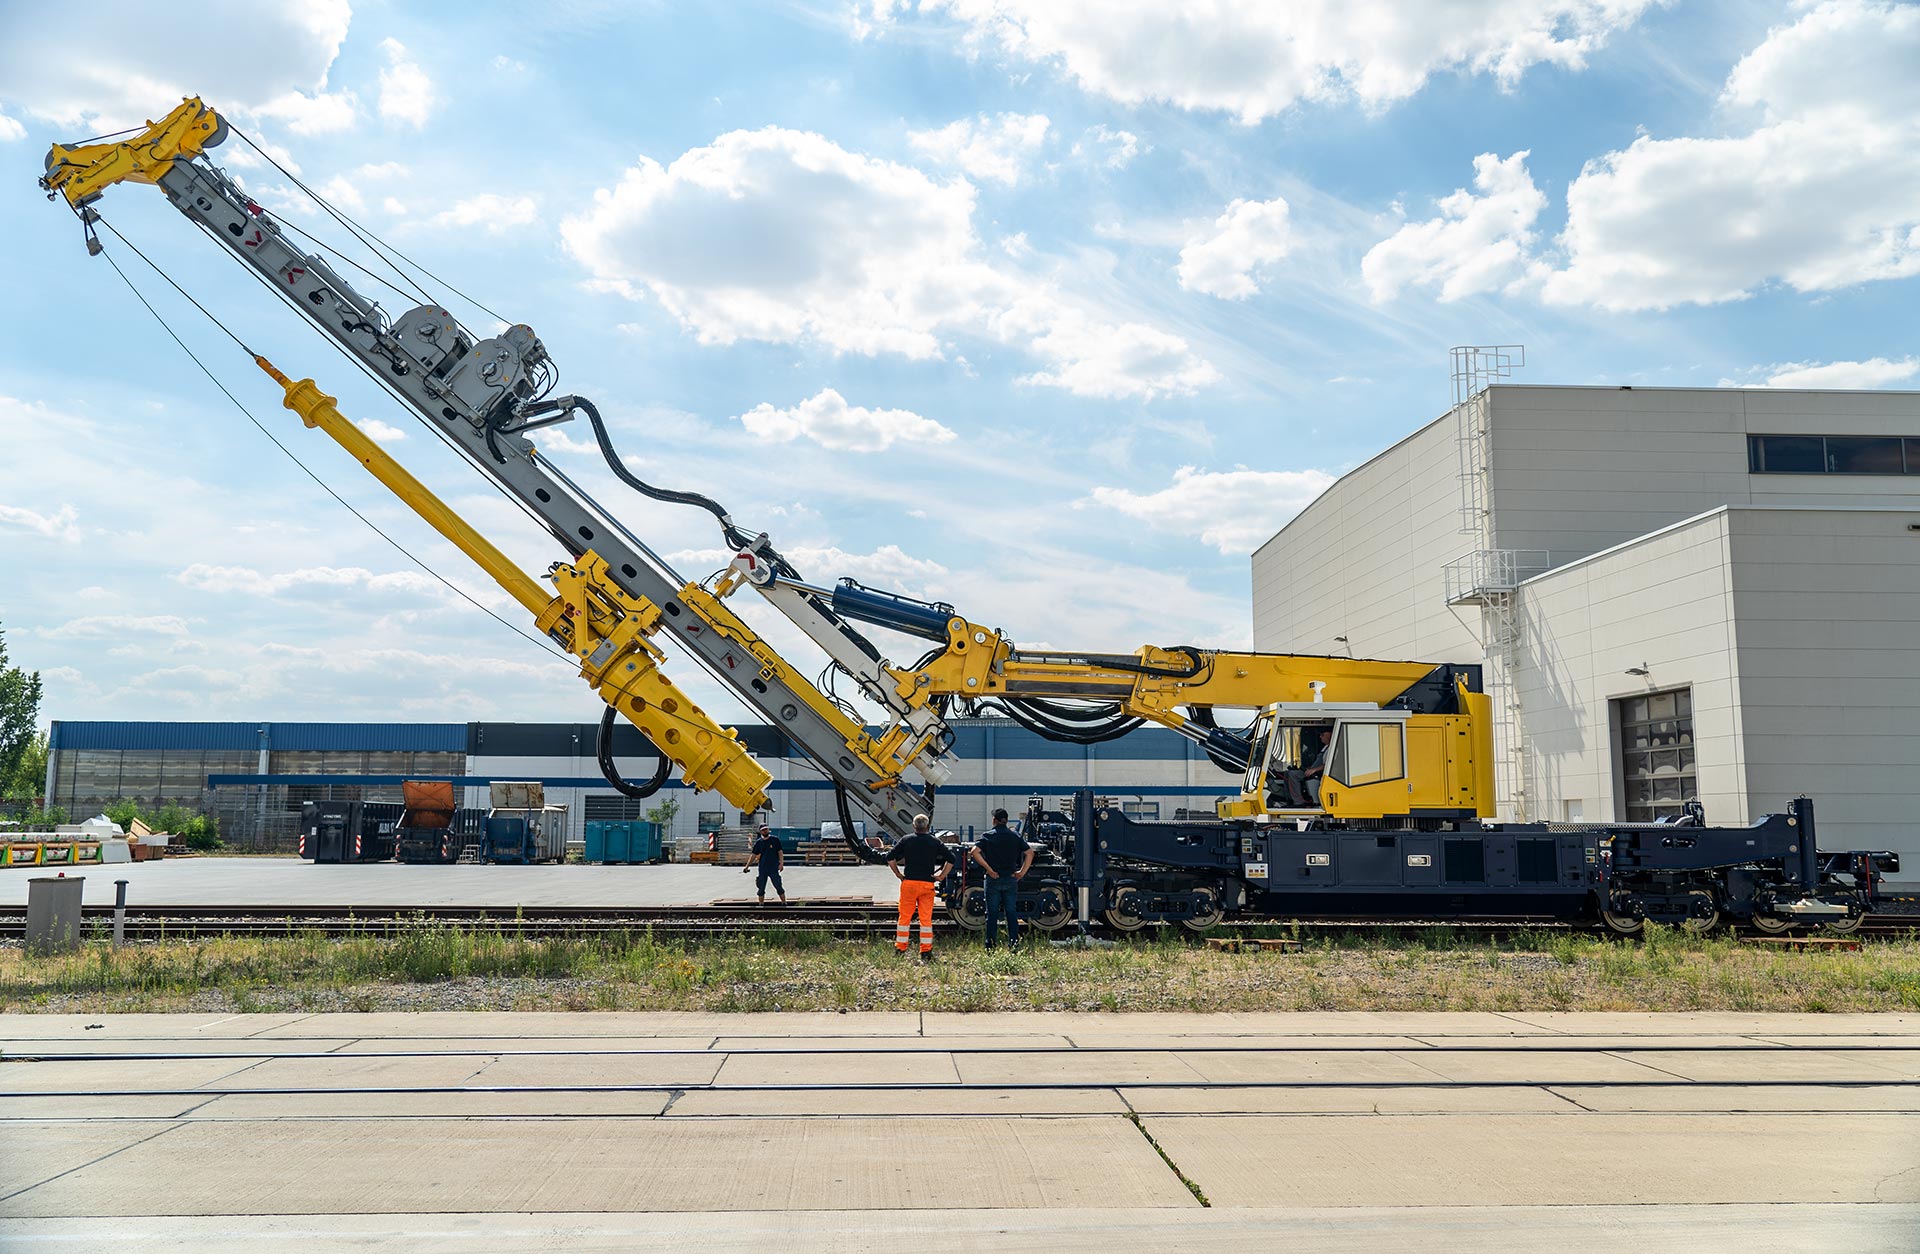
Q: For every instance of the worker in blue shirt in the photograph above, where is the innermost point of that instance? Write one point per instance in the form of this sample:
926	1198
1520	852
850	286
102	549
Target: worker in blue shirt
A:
1005	857
771	857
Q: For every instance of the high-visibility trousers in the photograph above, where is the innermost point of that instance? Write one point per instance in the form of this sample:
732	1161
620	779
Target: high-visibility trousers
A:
915	895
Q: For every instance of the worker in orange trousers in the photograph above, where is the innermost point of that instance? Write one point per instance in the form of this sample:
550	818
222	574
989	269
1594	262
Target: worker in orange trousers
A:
920	861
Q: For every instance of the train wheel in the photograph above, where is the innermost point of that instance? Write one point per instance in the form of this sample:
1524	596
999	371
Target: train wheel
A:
1116	916
1622	924
970	912
1207	920
1700	924
1058	914
1771	925
1845	927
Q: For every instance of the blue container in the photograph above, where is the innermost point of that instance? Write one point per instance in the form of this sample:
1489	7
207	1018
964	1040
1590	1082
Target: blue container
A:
623	840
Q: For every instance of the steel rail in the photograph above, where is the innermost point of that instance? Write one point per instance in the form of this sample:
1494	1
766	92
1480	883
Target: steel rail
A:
1423	1051
964	1086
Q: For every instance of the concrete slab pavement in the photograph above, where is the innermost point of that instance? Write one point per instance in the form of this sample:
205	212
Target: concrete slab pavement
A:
213	881
1678	1133
1530	1159
455	1165
1853	1228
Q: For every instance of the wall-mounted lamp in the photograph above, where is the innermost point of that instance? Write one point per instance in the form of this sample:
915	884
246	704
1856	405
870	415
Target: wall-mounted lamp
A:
1640	670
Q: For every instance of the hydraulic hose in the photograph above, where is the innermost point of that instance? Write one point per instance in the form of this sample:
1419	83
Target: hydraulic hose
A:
732	534
603	749
861	850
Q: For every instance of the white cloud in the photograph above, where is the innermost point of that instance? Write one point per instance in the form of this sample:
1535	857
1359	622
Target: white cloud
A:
344	189
106	626
61	524
1233	510
887	566
338	191
381	432
553	440
1255	58
1221	260
489	210
11	130
406	93
321	113
830	422
784	236
1113	149
1478	243
241	55
985	147
1823	193
247	581
1875	372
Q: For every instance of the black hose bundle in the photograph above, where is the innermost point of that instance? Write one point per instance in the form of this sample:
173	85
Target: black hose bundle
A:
732	534
860	848
603	749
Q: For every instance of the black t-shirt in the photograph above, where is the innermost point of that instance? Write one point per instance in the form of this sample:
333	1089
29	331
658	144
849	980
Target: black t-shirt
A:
920	852
767	848
1003	848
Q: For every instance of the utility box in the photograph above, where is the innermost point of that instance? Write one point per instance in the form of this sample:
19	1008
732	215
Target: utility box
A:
623	840
53	913
524	836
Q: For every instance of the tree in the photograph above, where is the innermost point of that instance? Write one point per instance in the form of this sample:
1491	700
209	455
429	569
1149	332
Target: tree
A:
19	716
663	813
30	777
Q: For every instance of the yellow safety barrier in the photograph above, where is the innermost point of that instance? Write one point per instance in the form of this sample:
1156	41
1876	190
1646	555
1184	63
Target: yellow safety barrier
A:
50	853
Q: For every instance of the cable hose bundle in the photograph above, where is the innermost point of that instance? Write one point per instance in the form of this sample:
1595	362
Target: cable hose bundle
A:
603	749
860	848
871	857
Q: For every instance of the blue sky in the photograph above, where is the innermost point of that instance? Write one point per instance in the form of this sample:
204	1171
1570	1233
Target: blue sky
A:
1051	314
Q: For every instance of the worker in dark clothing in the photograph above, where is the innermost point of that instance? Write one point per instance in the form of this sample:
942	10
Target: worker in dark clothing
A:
771	857
1303	781
920	861
1005	857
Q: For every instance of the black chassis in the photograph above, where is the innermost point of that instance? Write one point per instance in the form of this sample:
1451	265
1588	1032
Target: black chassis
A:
1195	871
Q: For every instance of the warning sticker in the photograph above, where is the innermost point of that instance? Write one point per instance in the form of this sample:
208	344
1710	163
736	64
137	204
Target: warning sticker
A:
1256	870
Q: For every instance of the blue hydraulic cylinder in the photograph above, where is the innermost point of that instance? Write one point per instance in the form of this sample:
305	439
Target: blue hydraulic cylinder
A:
891	610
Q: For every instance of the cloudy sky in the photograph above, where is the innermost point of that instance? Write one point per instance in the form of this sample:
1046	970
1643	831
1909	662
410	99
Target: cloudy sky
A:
1052	316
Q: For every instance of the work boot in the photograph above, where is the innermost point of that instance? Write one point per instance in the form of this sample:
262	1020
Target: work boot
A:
927	956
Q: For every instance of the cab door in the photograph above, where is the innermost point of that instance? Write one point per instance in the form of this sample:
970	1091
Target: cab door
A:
1366	772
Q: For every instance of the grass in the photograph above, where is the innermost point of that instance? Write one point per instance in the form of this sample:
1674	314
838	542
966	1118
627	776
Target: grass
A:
434	966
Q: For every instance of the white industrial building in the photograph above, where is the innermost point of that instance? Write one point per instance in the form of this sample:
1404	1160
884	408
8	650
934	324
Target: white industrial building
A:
1677	593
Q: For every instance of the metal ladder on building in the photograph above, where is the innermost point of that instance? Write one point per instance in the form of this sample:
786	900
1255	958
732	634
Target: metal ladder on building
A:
1488	575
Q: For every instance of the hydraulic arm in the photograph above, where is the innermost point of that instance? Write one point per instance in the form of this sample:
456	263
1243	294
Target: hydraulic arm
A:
615	600
484	393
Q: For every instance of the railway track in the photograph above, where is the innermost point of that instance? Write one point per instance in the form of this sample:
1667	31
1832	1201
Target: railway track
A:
848	921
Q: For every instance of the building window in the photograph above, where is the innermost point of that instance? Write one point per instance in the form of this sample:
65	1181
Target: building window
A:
1833	455
1368	753
1656	754
1140	809
712	820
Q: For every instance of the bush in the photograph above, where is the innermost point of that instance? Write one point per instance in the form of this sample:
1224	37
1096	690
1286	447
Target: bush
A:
199	832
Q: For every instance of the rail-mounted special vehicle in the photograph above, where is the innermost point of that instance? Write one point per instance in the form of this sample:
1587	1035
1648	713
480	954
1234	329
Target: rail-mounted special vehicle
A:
1366	786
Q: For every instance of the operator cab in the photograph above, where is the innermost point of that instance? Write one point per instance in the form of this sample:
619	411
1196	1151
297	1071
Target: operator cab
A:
1300	746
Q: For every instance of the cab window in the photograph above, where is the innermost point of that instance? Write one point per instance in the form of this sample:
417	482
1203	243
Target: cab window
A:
1369	753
